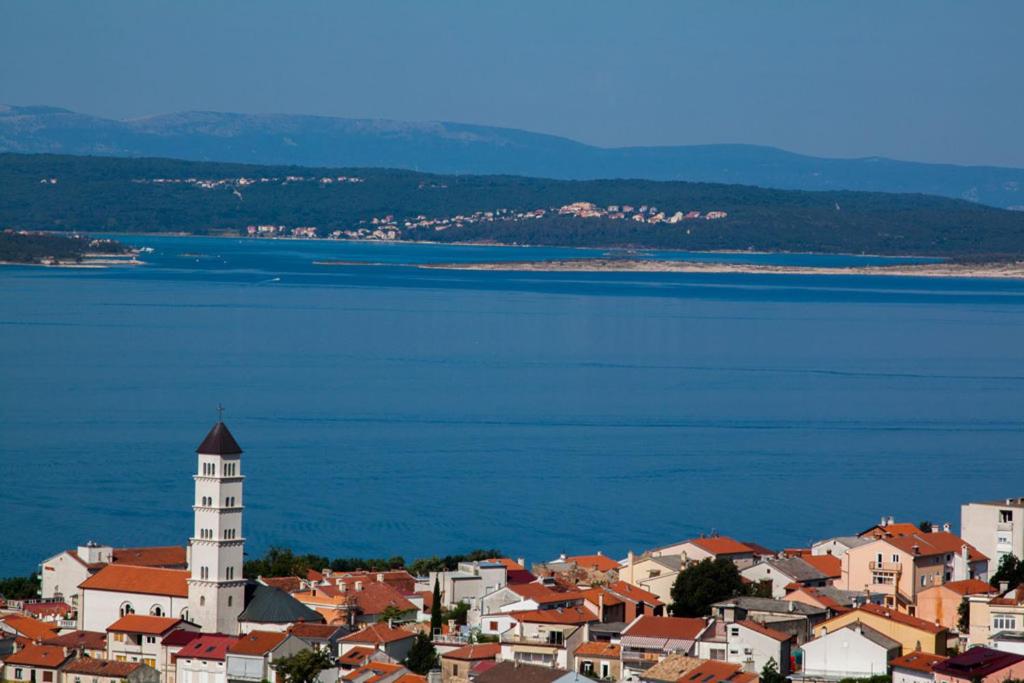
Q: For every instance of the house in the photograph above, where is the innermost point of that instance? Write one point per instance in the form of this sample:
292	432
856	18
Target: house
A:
598	659
118	590
577	569
834	600
620	601
469	582
169	647
492	615
399	579
853	651
457	664
997	621
995	528
837	546
139	637
88	670
394	642
674	667
915	667
360	655
941	604
655	574
753	645
86	643
782	572
35	664
719	672
28	630
711	548
980	665
356	603
912	633
320	636
795	618
901	566
547	637
650	639
251	657
202	660
511	672
271	609
62	574
381	672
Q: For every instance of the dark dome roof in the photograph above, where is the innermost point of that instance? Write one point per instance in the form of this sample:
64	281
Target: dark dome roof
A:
219	442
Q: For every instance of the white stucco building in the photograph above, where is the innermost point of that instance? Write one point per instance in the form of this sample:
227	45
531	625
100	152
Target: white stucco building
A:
856	651
995	528
119	590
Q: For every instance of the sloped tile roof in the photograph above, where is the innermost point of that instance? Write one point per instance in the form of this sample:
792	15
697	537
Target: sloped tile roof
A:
269	605
143	580
219	442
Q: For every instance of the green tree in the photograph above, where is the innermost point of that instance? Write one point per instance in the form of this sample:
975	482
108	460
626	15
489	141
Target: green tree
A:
700	585
770	672
390	613
20	587
1011	570
303	666
926	527
422	656
760	589
963	612
458	614
435	609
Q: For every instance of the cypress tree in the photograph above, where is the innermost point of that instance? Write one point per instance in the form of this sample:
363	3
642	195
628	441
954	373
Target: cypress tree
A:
435	609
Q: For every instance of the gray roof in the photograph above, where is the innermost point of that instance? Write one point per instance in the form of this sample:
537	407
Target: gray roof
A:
847	598
753	604
796	567
848	541
614	628
672	562
874	636
269	605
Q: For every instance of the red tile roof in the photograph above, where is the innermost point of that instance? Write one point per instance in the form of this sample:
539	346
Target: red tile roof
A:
89	640
598	562
144	580
475	652
829	565
33	629
257	643
977	663
213	646
577	614
717	671
378	633
631	592
356	655
676	628
900	617
721	545
918	661
102	667
179	637
315	631
288	584
934	543
597	648
143	623
49	656
970	587
46	609
895	529
764	630
171	556
543	595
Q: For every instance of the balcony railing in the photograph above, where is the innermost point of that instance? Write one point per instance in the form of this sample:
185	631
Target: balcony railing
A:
885	566
516	639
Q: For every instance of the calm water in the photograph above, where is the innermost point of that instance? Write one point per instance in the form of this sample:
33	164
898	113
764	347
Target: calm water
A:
392	410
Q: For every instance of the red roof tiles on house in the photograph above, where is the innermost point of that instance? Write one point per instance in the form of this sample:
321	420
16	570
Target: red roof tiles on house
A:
765	631
30	628
257	643
676	628
48	656
102	667
917	661
356	656
721	545
599	649
475	652
171	556
900	617
88	640
577	614
829	565
598	562
970	587
143	623
210	647
143	580
378	634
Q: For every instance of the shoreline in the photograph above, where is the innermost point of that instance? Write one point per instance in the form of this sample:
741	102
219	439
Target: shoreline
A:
89	261
1011	271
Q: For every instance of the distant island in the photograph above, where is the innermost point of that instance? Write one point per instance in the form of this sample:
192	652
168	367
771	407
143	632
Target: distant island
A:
461	148
66	193
31	248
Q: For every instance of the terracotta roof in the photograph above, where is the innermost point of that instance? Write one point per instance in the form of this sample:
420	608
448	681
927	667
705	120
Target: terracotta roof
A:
918	661
49	656
207	646
356	655
970	587
977	663
374	670
171	556
711	671
577	614
513	672
759	549
373	598
219	442
143	623
599	648
509	563
89	640
411	678
895	529
598	562
475	652
672	668
721	545
542	594
631	592
179	637
378	633
33	629
829	565
900	617
144	580
315	631
934	543
102	667
257	642
49	609
675	628
764	630
288	584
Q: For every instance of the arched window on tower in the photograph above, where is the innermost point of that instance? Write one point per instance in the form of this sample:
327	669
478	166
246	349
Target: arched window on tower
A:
230	600
184	613
126	609
202	600
156	611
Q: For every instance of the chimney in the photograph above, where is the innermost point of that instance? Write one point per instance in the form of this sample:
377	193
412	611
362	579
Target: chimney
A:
916	548
380	577
1003	587
561	557
891	520
792	606
946	527
600	606
882	521
342	586
359	585
599	553
521	561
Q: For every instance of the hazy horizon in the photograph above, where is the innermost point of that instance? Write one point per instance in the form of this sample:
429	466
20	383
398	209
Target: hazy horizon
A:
917	81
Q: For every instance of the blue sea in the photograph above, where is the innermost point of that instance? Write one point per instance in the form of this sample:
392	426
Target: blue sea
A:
386	409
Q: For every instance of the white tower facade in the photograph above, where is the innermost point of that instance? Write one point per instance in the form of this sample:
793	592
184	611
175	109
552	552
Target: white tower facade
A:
216	589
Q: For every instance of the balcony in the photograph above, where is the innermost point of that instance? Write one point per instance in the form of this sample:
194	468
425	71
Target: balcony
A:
885	566
539	640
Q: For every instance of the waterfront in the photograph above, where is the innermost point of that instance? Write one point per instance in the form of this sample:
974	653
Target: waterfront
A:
394	410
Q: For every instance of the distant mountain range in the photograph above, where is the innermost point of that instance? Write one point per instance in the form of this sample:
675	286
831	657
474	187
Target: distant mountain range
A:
456	148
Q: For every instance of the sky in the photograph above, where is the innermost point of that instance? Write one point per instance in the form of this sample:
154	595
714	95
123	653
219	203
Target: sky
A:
923	80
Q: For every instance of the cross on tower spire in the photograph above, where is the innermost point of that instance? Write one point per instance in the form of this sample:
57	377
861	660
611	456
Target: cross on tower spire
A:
220	413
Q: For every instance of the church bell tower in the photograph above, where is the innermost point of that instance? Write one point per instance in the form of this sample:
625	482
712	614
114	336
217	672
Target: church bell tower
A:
216	589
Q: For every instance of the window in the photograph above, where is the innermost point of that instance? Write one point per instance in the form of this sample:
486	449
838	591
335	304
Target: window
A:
230	573
455	670
587	668
119	637
156	611
1005	516
150	639
493	626
882	578
895	558
230	600
202	600
878	558
1004	622
126	609
19	674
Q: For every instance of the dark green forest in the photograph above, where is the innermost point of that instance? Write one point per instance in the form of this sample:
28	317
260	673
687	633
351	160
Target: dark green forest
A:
35	248
103	194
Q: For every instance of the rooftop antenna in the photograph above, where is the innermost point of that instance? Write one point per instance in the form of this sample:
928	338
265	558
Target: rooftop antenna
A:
220	413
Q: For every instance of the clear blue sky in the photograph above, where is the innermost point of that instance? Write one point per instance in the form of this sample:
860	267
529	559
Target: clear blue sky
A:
925	80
